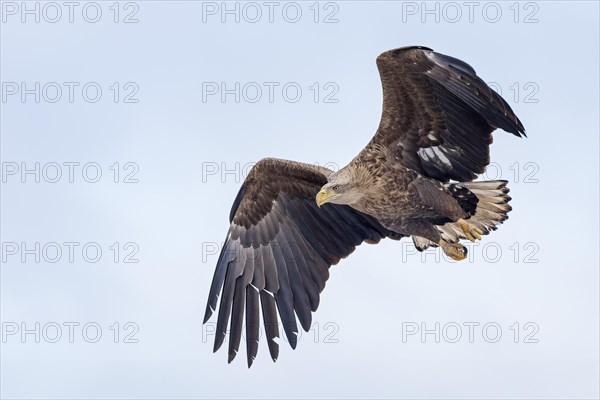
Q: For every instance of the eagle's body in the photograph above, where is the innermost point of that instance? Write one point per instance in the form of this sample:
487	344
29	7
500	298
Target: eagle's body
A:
291	221
390	195
394	196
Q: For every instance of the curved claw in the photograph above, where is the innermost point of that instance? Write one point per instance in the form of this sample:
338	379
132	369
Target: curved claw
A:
470	231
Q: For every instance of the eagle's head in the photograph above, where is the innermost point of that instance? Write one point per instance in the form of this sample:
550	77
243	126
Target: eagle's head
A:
346	186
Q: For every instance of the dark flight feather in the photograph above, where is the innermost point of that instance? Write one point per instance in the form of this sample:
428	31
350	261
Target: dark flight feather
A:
278	251
438	115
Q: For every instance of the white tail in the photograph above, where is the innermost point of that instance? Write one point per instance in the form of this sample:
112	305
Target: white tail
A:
492	209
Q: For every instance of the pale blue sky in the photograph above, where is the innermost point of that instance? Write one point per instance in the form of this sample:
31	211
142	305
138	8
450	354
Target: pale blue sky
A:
540	268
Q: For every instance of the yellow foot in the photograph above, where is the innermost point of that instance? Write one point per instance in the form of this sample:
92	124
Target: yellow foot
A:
471	231
455	251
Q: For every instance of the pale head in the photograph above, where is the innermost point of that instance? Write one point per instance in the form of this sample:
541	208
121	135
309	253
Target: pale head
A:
343	187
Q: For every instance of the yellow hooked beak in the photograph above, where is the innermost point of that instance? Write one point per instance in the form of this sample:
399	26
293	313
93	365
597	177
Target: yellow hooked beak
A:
323	197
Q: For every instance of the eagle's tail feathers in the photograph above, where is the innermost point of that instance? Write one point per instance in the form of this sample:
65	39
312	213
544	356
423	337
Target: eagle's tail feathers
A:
492	209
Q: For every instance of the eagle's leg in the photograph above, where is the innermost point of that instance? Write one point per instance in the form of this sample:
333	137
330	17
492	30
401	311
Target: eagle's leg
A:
425	229
455	251
471	231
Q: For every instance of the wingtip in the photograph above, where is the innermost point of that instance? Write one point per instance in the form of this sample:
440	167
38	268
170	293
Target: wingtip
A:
519	133
306	321
218	343
230	358
513	127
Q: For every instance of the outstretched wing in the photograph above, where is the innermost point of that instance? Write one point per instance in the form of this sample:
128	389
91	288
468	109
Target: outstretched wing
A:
278	251
438	115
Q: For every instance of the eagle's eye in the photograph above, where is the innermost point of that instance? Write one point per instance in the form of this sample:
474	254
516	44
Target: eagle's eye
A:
336	187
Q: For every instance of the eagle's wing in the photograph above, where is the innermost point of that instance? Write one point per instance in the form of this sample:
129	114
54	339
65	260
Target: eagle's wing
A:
438	115
277	253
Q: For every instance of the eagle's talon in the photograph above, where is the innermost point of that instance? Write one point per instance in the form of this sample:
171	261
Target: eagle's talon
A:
470	231
455	251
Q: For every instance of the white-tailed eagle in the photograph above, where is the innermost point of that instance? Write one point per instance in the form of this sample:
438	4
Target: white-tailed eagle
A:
291	221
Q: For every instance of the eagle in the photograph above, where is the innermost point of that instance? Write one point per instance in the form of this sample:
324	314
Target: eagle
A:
291	221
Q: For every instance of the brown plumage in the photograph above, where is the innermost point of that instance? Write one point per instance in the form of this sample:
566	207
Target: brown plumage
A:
436	127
